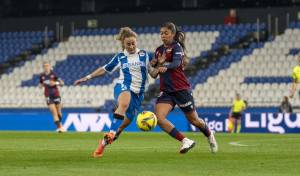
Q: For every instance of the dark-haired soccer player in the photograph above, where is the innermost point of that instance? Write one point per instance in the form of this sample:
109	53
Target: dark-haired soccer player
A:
50	81
170	59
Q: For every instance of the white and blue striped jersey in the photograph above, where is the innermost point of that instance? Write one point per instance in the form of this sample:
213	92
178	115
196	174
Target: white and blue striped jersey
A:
133	69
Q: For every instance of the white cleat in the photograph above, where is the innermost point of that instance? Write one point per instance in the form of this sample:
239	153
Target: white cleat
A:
187	144
212	143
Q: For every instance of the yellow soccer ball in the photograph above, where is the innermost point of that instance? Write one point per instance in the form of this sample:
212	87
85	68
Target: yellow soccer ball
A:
146	121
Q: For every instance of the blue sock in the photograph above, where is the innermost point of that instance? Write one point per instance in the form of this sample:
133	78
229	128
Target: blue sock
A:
117	121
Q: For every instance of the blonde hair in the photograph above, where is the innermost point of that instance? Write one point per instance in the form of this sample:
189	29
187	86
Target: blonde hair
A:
125	33
51	68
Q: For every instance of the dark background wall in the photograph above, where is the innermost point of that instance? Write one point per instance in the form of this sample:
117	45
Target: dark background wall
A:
195	17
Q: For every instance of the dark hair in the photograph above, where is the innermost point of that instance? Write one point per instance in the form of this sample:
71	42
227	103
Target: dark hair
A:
286	99
179	37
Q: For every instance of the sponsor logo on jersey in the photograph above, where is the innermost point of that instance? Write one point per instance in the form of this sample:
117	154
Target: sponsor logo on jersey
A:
52	76
186	104
141	53
133	64
169	50
46	81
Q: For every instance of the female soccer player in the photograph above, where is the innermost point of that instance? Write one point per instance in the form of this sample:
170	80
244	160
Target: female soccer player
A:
296	77
170	59
129	91
50	81
238	108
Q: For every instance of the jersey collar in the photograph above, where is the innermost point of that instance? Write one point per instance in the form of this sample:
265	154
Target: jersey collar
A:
127	54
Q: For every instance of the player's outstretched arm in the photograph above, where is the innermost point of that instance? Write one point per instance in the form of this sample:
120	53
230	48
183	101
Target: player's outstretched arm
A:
40	85
99	72
295	84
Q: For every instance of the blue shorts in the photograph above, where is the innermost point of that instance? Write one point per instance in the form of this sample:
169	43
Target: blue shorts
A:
183	98
53	100
135	101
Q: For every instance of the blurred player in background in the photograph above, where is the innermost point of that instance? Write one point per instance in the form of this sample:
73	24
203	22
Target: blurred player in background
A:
296	77
50	81
238	107
129	91
170	59
285	106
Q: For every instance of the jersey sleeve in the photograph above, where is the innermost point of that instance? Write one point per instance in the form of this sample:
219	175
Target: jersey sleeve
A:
294	74
113	65
177	57
244	105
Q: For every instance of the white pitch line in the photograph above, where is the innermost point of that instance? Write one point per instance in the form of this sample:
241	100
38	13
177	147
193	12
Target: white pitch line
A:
237	144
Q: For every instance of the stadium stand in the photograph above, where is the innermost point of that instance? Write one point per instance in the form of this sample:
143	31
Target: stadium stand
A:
261	72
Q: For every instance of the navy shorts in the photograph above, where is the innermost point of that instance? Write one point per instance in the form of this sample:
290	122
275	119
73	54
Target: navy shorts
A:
53	100
183	99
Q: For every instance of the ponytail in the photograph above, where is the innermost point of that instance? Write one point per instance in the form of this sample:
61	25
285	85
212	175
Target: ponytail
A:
125	33
180	38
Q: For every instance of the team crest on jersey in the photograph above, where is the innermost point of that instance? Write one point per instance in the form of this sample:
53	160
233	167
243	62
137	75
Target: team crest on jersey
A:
124	87
169	50
141	53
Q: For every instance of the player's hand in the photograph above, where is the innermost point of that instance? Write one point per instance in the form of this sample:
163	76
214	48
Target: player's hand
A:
291	95
153	62
80	81
162	58
52	84
162	69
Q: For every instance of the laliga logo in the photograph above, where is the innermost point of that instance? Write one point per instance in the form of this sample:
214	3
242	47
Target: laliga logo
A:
274	124
213	125
85	121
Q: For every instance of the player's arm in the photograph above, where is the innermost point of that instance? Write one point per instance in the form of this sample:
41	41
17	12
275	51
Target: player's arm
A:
41	83
58	82
97	73
154	73
294	88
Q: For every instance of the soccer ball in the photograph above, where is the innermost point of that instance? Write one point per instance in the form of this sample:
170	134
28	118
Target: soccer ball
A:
146	121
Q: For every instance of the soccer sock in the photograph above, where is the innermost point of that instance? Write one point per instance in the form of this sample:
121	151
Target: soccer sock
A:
205	131
59	117
117	121
58	123
176	134
238	129
233	127
115	138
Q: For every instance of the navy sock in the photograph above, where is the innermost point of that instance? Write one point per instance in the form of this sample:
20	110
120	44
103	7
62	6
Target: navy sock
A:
205	131
176	134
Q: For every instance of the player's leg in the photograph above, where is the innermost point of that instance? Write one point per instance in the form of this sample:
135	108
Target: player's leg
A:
161	110
55	116
59	114
233	124
239	122
195	120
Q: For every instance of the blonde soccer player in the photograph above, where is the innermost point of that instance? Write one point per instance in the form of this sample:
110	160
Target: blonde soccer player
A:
134	65
50	81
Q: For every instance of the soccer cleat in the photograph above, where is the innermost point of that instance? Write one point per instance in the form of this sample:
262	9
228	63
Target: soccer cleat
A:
100	149
60	130
109	137
212	143
187	144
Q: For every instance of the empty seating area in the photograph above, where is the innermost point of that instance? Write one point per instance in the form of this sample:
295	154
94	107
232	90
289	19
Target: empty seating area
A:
12	43
261	73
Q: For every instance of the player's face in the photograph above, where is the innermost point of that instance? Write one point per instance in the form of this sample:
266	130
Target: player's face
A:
238	97
46	67
130	44
166	35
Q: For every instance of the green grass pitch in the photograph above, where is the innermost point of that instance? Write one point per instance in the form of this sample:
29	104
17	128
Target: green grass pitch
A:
71	153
